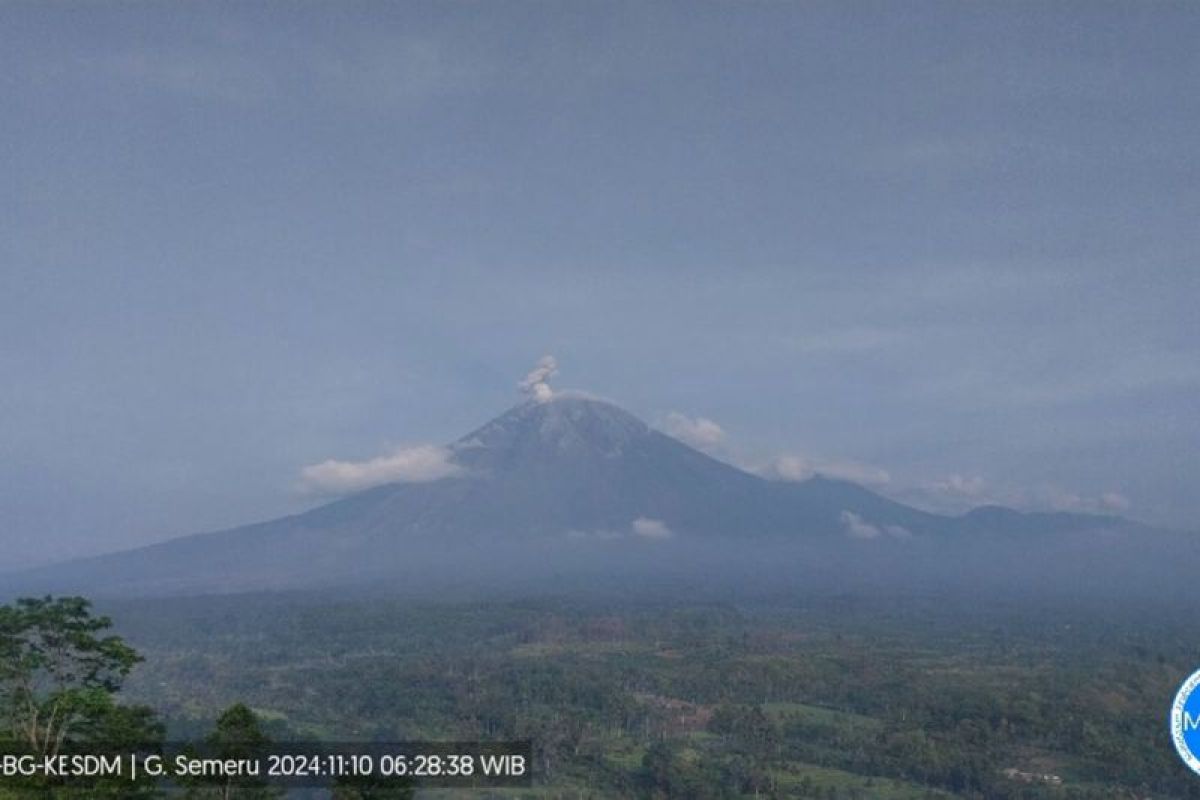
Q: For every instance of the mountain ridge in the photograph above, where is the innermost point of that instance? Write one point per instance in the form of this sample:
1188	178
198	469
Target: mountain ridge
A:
537	479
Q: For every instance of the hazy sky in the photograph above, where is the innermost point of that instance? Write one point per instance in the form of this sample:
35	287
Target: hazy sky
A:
953	243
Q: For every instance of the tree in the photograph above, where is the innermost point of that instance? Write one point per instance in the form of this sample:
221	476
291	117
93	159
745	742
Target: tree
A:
59	674
237	735
371	788
56	670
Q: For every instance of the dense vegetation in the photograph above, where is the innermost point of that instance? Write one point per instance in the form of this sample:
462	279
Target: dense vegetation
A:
836	698
61	669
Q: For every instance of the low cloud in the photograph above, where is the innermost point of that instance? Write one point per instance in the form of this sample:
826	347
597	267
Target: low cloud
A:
643	527
651	528
953	494
960	486
705	434
856	527
1058	499
535	384
801	468
958	493
419	464
699	432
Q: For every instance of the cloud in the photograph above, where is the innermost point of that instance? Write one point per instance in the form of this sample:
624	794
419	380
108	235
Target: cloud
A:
958	493
954	493
801	468
535	383
700	432
1059	499
959	486
643	527
651	528
418	464
705	434
858	528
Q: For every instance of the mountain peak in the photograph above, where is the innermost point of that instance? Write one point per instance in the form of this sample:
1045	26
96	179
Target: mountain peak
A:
567	423
544	482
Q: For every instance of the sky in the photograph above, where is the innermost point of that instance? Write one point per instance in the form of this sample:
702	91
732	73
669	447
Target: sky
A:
947	249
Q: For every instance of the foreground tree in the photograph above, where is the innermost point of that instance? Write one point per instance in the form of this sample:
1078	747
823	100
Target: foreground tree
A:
371	788
237	735
60	670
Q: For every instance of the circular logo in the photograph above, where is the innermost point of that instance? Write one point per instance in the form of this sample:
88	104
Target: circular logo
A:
1185	721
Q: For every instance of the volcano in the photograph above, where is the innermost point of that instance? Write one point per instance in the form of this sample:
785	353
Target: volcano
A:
562	482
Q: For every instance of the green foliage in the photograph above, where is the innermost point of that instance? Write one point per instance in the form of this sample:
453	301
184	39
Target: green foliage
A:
56	670
371	788
842	699
59	673
667	773
237	736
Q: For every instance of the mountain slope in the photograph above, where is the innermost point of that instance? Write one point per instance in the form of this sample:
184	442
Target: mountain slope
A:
541	484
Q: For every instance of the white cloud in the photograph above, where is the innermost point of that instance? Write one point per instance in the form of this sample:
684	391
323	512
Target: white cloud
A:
535	383
959	486
705	434
418	464
957	493
858	528
1060	499
801	468
699	432
787	468
651	528
644	527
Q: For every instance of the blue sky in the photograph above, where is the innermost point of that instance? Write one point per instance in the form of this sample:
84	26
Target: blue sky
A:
953	245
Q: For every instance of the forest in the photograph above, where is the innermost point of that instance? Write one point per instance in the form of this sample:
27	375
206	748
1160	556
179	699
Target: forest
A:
822	697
